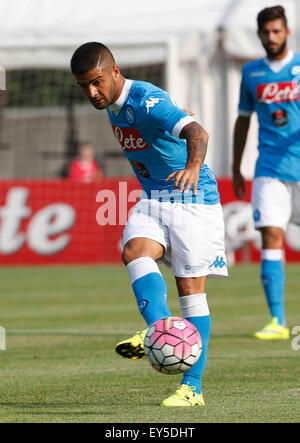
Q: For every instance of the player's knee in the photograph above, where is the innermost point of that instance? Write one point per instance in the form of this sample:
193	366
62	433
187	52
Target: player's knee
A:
127	255
190	286
272	237
139	247
132	252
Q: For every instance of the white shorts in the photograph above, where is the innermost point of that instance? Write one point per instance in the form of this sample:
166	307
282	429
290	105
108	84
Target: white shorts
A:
191	233
275	202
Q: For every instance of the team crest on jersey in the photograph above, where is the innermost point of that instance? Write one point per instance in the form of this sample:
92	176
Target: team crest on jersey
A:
152	102
129	115
295	70
130	139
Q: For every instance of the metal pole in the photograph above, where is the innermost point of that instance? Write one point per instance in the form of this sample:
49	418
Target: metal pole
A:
172	66
297	29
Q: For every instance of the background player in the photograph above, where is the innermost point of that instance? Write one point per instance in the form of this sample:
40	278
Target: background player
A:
178	219
85	168
270	86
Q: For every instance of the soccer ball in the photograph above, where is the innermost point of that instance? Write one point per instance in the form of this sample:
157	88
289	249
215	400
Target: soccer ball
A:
172	345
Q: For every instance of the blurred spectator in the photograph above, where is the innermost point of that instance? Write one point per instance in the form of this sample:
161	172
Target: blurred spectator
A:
85	168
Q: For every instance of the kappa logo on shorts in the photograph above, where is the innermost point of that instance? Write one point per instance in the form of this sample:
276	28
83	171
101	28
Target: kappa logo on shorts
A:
218	263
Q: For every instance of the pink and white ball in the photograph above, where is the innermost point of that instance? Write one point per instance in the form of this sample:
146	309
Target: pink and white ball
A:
173	345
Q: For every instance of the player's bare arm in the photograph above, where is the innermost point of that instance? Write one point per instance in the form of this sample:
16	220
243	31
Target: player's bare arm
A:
196	142
240	136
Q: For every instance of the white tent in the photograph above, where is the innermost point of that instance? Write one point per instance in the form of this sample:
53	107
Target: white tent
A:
199	40
45	32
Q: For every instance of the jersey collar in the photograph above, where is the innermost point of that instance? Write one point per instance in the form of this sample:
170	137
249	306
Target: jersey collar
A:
277	65
116	107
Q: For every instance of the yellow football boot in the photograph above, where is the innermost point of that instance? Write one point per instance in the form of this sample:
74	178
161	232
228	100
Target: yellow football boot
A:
273	331
133	347
184	396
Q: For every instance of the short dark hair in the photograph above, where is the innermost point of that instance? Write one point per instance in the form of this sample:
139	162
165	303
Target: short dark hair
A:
88	56
269	14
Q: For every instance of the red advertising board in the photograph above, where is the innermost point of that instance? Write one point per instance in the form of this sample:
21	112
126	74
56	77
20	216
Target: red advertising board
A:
61	222
54	221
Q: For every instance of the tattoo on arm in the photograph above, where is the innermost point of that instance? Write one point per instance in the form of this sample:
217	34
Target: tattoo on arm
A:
196	141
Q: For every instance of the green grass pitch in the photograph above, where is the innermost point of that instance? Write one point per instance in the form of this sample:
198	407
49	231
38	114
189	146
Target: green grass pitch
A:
60	366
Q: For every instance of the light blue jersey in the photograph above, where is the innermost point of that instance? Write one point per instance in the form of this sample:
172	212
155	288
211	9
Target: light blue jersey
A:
147	124
275	98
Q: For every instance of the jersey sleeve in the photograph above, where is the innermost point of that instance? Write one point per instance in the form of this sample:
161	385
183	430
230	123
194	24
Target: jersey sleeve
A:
246	103
161	112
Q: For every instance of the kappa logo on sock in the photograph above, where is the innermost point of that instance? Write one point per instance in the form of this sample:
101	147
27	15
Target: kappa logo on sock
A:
266	281
256	215
143	305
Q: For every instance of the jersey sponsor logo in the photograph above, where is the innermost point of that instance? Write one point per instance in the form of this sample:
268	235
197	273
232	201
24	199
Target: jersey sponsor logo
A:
141	169
152	102
280	118
130	139
278	92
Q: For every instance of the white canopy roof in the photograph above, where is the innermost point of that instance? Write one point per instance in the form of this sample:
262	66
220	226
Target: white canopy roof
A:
44	33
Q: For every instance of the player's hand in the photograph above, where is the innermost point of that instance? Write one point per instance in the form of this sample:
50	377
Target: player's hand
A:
185	179
239	185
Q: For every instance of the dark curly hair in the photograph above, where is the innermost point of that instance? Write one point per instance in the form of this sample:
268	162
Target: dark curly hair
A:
268	14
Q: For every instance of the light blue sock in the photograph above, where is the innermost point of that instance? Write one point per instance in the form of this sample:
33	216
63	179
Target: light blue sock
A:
149	288
195	309
272	276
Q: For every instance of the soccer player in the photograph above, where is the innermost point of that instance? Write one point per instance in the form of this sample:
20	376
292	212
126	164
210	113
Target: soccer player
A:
270	86
178	219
